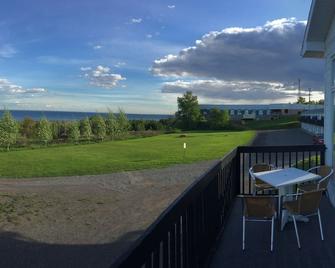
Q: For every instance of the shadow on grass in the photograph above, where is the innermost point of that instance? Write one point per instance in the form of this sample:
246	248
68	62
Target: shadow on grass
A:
18	251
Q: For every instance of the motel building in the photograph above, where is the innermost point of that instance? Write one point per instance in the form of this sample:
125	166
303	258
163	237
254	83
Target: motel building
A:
319	43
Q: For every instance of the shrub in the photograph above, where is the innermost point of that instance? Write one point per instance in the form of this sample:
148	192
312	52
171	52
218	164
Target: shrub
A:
8	130
44	131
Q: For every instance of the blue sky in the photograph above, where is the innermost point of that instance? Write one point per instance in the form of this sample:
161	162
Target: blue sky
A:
93	55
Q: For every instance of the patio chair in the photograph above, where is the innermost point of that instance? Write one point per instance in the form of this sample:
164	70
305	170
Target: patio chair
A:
325	172
258	184
258	208
306	204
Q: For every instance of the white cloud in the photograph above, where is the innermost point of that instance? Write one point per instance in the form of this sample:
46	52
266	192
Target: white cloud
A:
102	77
9	88
232	91
85	69
7	51
149	36
119	64
171	6
136	20
264	54
96	47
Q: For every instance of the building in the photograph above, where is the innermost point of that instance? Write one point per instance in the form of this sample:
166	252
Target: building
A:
312	121
319	42
259	111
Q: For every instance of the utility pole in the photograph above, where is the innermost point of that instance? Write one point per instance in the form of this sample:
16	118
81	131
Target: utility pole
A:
309	98
299	89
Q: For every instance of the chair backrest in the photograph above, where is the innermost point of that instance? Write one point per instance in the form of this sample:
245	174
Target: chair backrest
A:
309	202
259	206
325	172
261	167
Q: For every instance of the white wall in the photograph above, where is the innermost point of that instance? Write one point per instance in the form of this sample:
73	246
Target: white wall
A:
329	104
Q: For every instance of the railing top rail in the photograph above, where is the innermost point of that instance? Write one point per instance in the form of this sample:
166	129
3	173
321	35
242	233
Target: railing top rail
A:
280	148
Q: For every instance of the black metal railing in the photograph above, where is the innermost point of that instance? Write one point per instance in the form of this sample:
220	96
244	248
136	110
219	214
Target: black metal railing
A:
312	120
185	234
300	156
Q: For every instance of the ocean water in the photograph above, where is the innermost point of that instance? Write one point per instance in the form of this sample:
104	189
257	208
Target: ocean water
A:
67	116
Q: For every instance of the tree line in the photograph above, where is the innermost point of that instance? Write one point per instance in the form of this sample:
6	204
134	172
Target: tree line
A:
94	128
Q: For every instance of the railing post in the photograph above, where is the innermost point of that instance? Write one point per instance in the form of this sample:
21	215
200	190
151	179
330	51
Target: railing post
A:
238	171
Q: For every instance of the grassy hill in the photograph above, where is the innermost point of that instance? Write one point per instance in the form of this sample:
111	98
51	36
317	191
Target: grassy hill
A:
107	157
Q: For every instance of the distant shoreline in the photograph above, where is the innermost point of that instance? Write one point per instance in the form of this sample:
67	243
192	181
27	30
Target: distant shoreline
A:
69	116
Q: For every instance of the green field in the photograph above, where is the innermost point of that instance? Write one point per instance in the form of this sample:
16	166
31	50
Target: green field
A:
107	157
281	123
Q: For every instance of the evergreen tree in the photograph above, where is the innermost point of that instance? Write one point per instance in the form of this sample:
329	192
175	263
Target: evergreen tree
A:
98	127
44	131
74	132
8	130
85	129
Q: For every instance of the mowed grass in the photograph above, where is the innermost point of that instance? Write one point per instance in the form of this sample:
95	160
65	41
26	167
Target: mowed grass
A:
281	123
114	156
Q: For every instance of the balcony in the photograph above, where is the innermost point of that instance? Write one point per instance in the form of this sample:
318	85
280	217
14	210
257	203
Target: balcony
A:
203	228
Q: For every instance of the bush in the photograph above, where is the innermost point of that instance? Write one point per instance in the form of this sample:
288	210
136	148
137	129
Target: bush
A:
44	131
8	130
98	127
74	132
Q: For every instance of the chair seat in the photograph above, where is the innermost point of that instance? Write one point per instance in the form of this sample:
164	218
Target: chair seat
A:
291	206
261	185
308	187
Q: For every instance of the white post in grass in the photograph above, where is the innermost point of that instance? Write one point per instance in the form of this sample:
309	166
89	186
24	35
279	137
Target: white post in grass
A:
184	149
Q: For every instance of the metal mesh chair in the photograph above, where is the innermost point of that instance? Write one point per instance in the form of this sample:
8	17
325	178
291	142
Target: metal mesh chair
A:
258	208
306	204
325	172
259	185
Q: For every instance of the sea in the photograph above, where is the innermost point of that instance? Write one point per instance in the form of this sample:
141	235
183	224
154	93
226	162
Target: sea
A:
69	116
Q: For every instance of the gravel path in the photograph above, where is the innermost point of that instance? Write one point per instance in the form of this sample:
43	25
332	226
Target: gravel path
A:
84	221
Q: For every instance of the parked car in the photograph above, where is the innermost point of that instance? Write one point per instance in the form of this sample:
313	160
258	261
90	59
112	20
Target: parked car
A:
318	139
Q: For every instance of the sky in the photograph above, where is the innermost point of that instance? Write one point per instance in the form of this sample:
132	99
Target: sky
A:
86	55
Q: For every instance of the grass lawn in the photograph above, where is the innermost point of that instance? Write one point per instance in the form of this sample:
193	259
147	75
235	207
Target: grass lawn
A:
281	123
107	157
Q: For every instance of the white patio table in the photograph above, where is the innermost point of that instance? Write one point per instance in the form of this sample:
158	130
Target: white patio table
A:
285	180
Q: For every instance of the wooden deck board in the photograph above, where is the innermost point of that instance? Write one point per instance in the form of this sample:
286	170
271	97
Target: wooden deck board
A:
314	252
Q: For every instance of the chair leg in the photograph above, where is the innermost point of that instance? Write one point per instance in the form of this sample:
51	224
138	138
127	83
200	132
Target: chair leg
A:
272	227
321	231
296	231
243	235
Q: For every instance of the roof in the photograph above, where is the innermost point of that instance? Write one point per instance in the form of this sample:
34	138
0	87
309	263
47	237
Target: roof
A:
319	21
274	106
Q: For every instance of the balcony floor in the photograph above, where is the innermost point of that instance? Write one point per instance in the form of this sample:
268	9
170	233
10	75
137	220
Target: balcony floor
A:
313	252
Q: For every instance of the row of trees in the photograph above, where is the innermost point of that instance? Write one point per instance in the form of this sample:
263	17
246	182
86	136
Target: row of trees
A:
94	128
189	116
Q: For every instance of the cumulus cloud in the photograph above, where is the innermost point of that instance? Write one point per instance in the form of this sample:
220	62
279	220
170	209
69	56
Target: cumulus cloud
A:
7	51
171	6
266	54
136	20
103	77
119	64
232	90
149	36
84	69
9	88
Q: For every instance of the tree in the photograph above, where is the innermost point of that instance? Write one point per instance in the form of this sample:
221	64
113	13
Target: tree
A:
98	127
188	114
301	100
27	128
218	119
85	129
74	132
123	123
8	130
44	131
112	125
